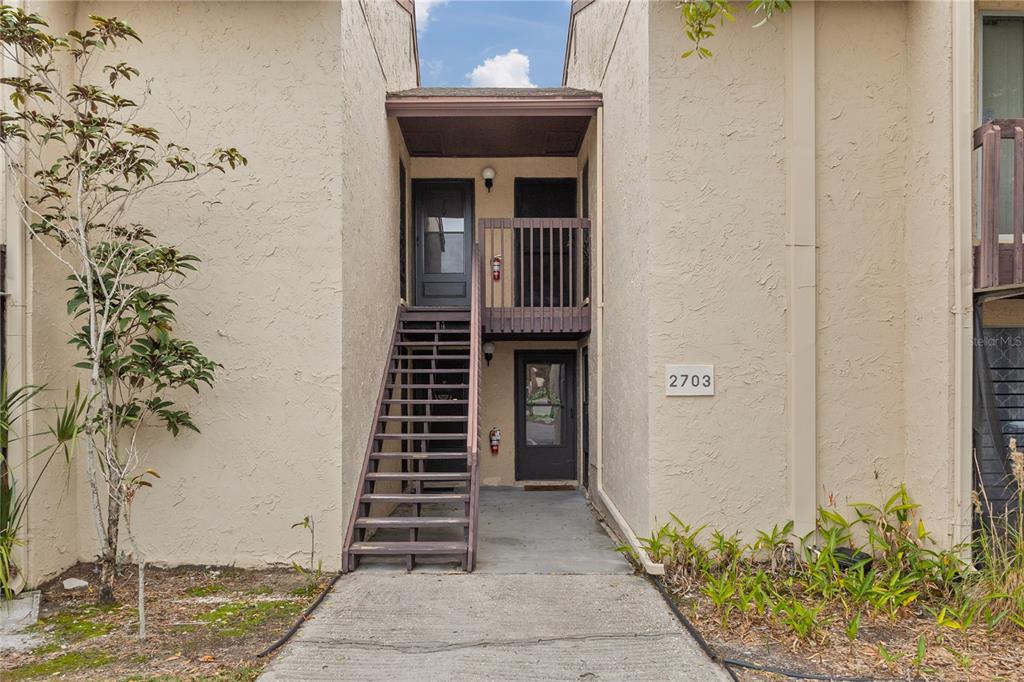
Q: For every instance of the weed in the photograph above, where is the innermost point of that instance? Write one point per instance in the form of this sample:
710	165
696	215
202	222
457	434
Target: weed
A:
71	662
205	590
853	627
962	659
77	625
237	619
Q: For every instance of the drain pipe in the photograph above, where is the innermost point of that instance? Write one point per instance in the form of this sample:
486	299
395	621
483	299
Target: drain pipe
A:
621	525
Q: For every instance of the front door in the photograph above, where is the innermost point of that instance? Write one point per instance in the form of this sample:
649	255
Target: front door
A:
443	241
545	415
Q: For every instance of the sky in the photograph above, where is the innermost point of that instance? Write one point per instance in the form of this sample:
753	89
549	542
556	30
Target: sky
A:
492	43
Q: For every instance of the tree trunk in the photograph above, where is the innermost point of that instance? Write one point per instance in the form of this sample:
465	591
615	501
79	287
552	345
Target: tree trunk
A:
108	559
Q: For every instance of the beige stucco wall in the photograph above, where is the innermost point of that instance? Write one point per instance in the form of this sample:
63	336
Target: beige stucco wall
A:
298	285
710	259
931	277
717	273
378	59
609	52
51	521
863	146
500	201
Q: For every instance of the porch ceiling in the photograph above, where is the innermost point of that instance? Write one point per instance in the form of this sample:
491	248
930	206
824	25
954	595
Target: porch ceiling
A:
482	122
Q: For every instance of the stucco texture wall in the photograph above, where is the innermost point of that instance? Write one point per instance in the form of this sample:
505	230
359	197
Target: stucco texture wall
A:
705	247
609	52
376	60
41	359
717	273
315	211
863	138
930	401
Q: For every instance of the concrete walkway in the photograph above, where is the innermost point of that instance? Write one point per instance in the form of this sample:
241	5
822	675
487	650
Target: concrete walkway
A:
550	600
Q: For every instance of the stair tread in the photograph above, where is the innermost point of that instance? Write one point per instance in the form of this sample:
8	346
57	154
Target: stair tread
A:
418	476
408	547
426	418
446	370
426	401
419	455
411	521
421	436
420	344
419	498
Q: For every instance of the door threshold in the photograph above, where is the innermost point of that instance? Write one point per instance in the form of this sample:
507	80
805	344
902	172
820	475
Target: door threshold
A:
540	487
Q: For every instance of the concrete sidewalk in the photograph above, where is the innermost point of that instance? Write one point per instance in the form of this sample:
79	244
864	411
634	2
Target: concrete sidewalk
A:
550	600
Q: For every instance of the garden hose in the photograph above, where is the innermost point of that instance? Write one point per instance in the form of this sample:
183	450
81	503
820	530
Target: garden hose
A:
302	619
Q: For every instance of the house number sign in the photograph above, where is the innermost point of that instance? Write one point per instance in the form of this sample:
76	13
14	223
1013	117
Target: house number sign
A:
689	379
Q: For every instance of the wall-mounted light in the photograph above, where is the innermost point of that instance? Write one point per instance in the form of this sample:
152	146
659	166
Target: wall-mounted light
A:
488	352
488	176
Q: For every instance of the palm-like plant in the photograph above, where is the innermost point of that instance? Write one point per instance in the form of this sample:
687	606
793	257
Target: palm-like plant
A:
15	406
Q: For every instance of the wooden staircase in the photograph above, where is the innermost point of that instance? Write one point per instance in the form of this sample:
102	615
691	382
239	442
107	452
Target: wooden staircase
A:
418	490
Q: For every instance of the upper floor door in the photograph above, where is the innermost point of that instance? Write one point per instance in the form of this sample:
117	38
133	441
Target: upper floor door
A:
443	242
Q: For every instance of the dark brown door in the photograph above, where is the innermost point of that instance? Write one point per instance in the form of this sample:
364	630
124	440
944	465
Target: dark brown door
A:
544	198
444	241
545	415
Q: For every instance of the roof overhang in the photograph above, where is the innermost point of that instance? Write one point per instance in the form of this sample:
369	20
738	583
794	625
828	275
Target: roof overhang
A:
490	122
418	107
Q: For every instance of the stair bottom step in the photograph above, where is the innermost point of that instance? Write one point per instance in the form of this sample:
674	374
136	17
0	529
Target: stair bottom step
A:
412	522
408	548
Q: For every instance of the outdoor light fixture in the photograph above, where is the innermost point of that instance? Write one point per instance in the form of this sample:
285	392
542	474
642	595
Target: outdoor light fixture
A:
488	352
488	175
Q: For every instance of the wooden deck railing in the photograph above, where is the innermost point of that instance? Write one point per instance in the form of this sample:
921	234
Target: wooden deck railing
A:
998	263
543	286
473	421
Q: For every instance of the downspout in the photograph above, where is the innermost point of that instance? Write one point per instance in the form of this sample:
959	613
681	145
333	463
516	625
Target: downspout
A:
802	250
963	281
597	336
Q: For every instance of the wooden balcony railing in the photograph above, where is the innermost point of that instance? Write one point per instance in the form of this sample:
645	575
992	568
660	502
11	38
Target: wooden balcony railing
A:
544	276
1000	262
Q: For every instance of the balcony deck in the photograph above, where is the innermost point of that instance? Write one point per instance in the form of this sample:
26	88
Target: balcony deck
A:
543	277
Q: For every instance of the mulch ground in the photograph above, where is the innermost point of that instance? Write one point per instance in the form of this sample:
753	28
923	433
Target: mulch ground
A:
202	623
883	650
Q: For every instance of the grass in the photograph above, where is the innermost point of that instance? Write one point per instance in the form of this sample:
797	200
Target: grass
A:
205	590
79	624
237	619
71	662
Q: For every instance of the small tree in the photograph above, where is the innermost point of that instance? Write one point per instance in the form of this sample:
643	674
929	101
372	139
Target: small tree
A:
79	162
701	18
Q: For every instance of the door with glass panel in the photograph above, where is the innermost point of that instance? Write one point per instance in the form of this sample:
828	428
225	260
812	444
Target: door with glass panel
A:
546	416
443	216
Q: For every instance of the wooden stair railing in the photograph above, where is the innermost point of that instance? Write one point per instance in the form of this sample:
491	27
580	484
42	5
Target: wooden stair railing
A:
473	425
418	491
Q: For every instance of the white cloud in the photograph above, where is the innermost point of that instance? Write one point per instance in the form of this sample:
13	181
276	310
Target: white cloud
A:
423	8
509	70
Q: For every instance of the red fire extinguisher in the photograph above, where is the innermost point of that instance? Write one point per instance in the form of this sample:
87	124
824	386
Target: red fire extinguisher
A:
495	438
496	268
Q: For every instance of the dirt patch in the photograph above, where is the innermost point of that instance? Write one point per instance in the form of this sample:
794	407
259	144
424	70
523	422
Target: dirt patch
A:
202	623
912	647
